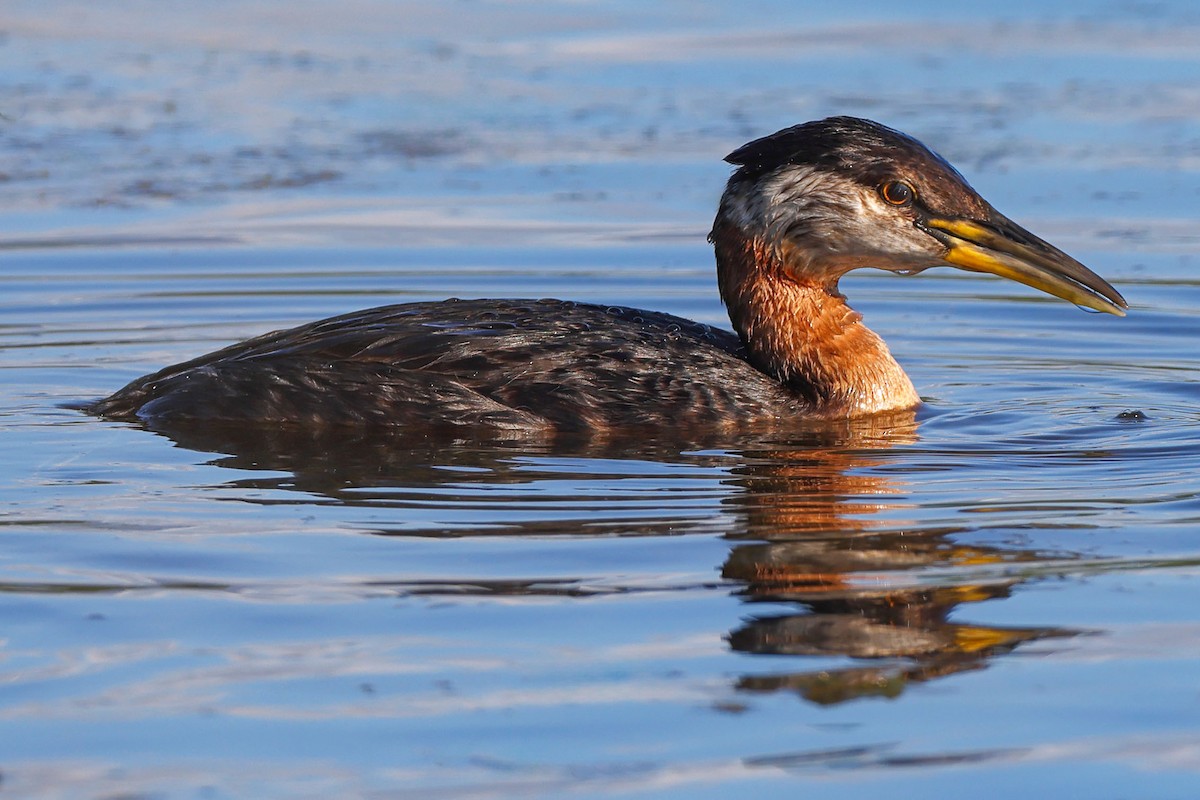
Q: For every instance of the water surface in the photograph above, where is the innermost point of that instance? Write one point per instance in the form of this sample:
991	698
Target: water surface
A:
994	594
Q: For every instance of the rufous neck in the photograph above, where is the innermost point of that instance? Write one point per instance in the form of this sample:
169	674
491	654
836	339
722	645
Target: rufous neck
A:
799	329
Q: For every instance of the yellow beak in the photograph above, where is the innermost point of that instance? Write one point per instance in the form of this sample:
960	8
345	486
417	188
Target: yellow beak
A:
1001	247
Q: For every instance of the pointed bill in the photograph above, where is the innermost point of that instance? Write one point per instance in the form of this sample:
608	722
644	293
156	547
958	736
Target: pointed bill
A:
1001	247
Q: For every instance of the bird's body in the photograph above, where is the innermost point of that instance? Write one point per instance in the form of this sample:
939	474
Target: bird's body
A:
805	206
498	363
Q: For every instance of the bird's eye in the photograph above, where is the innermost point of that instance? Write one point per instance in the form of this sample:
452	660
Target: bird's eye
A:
897	193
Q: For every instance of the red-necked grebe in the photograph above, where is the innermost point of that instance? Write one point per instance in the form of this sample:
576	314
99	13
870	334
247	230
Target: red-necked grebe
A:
804	206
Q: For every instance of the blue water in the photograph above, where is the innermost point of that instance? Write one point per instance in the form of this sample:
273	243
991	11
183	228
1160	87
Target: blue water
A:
992	596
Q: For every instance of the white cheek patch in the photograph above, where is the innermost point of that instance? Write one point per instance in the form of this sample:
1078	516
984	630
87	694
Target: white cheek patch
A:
833	220
803	201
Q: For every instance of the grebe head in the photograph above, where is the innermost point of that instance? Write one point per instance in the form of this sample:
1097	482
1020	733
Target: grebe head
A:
819	199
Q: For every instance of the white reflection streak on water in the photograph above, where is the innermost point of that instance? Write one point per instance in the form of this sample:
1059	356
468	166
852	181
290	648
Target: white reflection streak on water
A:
199	689
1112	40
195	689
484	778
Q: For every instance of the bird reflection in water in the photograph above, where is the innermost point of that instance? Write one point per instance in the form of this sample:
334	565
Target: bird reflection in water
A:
820	541
816	519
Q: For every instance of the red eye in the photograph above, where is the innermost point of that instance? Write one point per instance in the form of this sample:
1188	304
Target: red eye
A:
898	193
